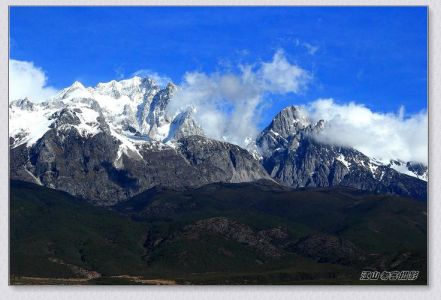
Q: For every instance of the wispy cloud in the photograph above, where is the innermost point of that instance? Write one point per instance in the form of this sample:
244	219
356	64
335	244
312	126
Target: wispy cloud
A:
310	48
28	81
228	105
119	72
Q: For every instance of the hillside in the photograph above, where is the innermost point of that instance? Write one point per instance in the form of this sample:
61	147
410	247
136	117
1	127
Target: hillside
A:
244	233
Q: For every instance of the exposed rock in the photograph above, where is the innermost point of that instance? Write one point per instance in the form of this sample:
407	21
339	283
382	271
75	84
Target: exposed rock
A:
182	126
116	140
215	159
23	104
103	170
292	156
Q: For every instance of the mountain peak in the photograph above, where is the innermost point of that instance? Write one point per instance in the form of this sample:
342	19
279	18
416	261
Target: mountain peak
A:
294	112
129	87
133	113
77	85
171	86
76	90
183	125
289	120
24	104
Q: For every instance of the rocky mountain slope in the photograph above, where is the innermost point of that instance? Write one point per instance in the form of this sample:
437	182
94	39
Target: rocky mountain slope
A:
115	140
292	155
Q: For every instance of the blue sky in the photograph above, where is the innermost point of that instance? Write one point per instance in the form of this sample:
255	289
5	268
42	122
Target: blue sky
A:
374	56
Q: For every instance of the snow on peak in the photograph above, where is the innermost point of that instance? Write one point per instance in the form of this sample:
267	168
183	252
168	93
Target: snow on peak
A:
77	85
133	88
135	112
413	169
134	109
75	91
24	104
341	158
28	125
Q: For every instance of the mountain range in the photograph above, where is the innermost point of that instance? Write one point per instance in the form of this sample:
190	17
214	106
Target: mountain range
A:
116	140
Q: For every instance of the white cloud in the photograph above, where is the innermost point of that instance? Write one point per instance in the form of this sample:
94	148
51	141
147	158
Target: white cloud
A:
382	135
159	79
28	80
227	106
280	76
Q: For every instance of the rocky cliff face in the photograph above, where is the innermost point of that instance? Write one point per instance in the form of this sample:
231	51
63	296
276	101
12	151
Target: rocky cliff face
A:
96	169
115	140
183	125
215	159
292	156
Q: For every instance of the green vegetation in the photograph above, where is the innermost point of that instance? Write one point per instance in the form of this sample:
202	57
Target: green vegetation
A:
251	233
51	224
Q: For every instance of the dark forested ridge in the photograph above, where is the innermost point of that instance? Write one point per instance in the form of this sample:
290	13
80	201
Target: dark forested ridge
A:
244	233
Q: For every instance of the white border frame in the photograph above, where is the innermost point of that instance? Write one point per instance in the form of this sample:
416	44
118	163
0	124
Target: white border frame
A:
433	290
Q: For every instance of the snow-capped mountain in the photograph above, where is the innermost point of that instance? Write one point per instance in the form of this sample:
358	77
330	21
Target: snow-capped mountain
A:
134	109
115	140
109	142
293	156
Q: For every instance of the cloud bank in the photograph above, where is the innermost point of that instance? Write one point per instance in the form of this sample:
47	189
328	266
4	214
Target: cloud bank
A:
28	80
384	136
228	106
